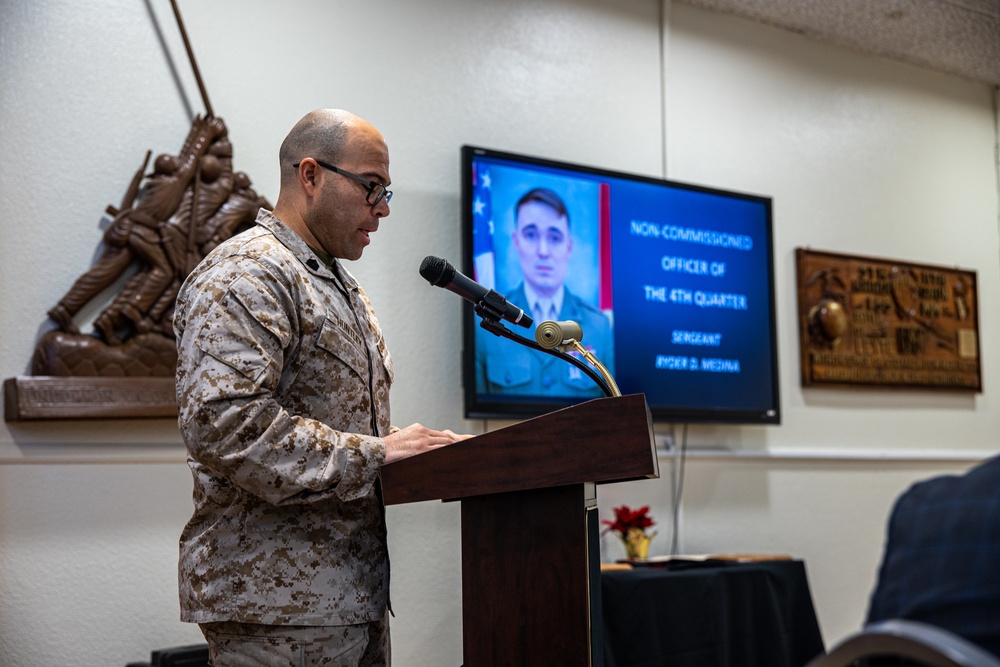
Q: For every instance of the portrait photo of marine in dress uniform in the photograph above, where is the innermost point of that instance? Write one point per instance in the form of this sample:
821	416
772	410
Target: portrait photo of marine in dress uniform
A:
547	263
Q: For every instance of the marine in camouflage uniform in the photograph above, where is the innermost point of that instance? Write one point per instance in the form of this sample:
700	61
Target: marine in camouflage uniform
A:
543	244
283	395
283	389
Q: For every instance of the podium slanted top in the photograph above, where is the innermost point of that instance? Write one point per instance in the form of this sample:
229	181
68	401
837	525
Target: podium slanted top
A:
603	440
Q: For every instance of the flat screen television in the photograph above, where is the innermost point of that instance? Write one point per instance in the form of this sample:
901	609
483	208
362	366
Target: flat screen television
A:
672	284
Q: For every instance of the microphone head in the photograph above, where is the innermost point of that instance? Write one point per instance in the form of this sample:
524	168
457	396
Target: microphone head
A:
437	271
551	335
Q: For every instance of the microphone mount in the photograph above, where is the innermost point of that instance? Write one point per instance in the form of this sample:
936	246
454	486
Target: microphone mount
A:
491	307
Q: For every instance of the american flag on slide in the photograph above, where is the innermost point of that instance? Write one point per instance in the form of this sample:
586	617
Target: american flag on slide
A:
483	257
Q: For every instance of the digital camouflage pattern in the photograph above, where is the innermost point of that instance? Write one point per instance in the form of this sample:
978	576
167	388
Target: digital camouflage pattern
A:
280	359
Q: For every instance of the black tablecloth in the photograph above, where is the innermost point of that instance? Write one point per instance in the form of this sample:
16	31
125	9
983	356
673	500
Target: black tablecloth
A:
716	615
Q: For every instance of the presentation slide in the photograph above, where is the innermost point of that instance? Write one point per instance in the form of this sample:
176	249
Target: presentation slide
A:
691	296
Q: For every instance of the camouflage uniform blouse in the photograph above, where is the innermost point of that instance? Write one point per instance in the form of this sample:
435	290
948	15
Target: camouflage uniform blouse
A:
280	360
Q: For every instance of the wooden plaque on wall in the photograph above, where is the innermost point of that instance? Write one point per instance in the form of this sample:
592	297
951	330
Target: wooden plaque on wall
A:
884	323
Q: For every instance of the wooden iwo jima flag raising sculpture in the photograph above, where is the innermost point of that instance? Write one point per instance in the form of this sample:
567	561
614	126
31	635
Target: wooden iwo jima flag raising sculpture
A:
173	213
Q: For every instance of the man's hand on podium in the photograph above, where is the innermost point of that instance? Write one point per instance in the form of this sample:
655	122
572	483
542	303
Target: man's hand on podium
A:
417	439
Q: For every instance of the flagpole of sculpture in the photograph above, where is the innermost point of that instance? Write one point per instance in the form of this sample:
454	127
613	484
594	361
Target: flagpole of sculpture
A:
208	112
191	59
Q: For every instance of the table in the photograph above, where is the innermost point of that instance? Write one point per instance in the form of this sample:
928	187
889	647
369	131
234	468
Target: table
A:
712	614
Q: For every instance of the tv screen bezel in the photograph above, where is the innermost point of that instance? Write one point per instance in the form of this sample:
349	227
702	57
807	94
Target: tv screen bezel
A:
516	407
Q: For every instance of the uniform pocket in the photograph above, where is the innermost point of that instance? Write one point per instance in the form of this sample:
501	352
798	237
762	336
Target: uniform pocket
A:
511	371
234	336
339	338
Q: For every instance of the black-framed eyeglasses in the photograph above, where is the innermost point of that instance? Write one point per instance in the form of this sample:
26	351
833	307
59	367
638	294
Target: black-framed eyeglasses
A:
376	191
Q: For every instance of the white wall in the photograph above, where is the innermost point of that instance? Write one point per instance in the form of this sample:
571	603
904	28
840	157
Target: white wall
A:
862	156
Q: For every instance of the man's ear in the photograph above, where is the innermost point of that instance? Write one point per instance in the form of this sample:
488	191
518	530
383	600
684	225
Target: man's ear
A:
306	175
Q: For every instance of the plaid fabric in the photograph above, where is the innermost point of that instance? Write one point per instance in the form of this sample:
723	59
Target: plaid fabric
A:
942	557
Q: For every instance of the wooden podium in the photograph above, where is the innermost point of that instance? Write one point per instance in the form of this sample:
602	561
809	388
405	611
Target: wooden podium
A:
530	550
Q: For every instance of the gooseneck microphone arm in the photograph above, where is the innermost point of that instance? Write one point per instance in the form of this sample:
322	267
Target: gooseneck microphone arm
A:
490	317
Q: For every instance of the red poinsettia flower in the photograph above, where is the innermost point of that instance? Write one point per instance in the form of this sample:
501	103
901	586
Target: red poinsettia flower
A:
627	518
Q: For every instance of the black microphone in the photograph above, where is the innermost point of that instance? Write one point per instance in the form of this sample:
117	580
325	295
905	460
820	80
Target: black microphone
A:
440	273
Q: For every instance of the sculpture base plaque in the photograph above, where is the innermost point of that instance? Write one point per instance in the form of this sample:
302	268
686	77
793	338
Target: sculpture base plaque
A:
42	397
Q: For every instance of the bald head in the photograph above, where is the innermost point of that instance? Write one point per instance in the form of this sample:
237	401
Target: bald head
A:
320	134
